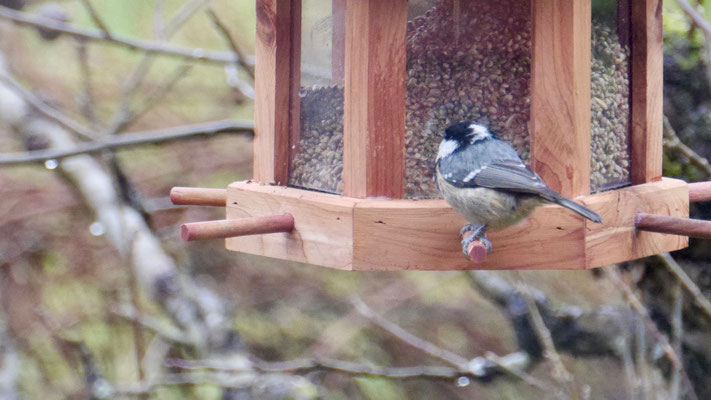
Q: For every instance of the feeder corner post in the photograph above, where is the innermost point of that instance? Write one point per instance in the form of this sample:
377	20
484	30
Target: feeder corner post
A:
647	84
374	109
276	88
560	94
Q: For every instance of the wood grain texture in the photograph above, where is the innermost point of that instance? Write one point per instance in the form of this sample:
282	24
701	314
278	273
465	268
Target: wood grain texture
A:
560	95
695	228
374	114
616	239
295	83
367	234
646	91
323	224
187	196
424	234
272	90
234	227
699	191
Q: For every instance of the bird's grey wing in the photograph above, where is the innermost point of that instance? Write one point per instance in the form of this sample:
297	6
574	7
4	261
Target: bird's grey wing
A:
508	175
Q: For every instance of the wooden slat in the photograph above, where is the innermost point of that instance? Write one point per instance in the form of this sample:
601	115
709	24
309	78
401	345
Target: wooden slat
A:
374	115
560	94
646	91
348	233
323	224
424	234
616	240
272	90
295	81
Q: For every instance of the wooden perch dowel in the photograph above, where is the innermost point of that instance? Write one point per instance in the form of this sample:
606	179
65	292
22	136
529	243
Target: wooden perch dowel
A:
699	191
227	228
186	196
674	225
476	251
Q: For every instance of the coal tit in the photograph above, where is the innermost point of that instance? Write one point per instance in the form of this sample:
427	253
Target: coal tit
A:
484	179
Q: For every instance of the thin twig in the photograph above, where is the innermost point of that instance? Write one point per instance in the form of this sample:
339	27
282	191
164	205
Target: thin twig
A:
47	110
26	19
460	363
158	22
184	13
560	373
528	378
688	284
167	331
672	142
225	32
637	305
407	337
97	19
87	101
126	115
495	364
677	334
695	17
131	139
137	328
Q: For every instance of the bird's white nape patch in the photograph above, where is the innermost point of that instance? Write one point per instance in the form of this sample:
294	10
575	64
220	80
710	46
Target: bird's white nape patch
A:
478	132
447	147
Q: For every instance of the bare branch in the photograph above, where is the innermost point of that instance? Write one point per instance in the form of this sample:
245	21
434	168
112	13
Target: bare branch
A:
167	49
688	284
46	109
97	19
86	102
514	370
560	373
695	17
125	115
131	139
677	334
486	368
222	29
637	305
407	337
672	142
166	331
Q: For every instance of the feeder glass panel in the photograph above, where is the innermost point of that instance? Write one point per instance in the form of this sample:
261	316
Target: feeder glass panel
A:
610	89
317	157
467	60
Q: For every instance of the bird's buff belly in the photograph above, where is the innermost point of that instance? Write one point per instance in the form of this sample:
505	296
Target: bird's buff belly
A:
483	206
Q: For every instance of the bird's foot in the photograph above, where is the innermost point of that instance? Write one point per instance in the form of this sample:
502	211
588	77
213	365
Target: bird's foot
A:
479	234
467	228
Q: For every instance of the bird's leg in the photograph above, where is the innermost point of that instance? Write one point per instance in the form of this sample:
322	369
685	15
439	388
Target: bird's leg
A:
479	234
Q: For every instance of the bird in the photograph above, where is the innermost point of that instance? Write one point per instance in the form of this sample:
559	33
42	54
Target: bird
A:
484	179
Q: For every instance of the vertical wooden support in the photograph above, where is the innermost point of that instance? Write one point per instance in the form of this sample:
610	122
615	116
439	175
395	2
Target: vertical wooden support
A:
560	94
374	114
295	81
646	106
273	87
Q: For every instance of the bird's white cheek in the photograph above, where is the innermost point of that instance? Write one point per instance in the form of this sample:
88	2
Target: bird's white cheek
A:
446	148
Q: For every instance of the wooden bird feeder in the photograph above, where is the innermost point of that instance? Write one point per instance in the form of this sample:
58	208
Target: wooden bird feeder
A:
351	97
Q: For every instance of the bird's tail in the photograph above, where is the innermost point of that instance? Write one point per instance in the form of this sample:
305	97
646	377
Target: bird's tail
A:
578	208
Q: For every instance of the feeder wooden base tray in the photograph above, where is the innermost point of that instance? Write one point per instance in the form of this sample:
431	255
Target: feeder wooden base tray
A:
372	234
